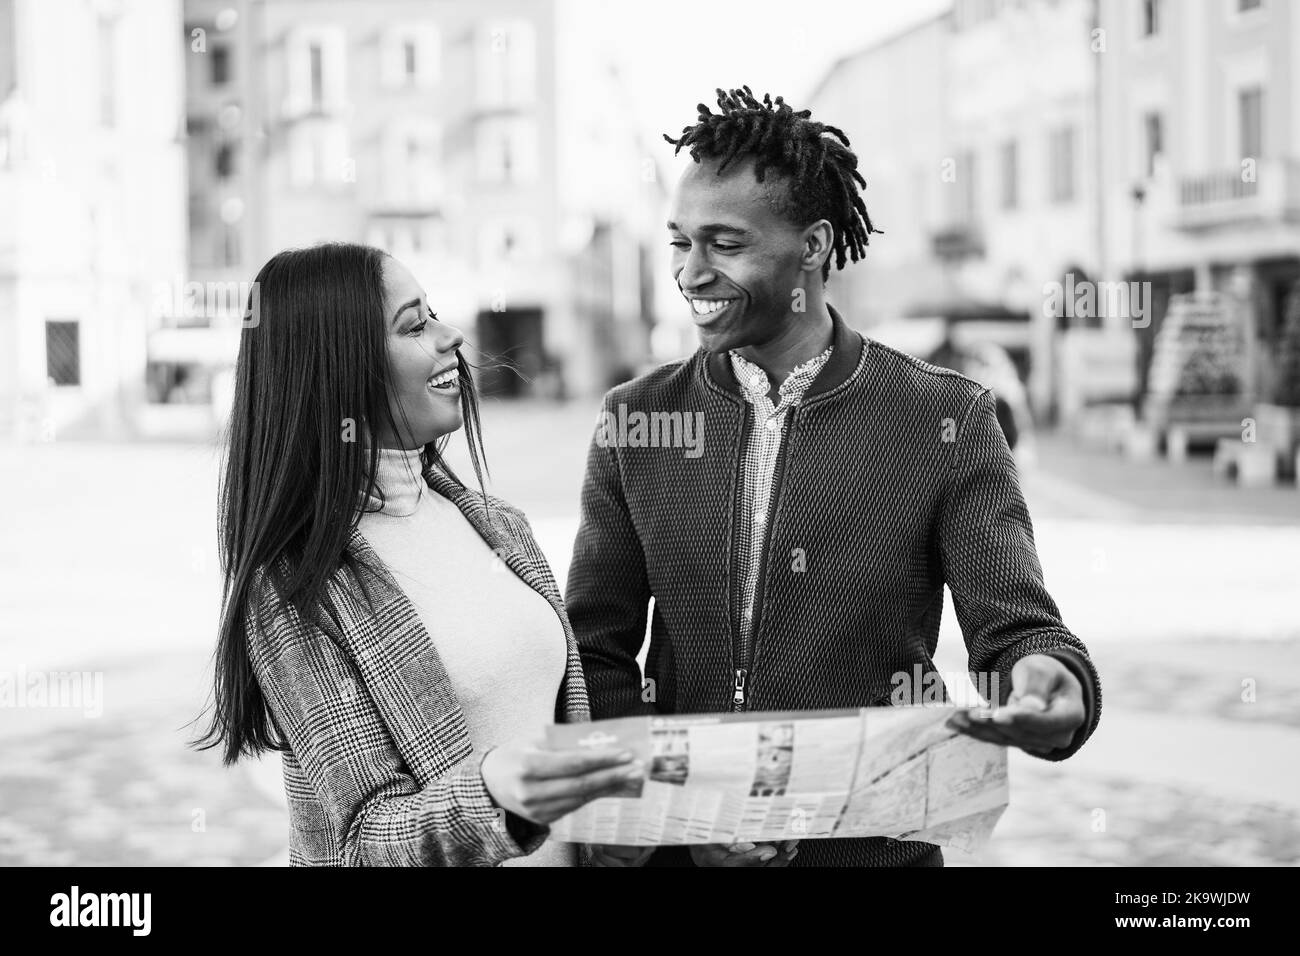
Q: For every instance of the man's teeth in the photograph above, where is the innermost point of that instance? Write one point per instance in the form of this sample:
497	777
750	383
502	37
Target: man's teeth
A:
445	379
709	306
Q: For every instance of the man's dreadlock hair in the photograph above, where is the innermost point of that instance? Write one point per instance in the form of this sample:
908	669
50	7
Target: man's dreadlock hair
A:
815	156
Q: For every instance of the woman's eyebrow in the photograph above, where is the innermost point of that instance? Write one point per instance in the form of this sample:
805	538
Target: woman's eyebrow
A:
403	308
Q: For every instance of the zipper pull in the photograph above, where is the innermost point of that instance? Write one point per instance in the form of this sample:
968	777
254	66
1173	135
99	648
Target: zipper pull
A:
738	696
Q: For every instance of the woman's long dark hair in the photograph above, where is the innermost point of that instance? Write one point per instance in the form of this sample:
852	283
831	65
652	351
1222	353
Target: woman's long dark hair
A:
311	388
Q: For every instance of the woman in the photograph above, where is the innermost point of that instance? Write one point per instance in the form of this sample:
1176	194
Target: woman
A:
396	635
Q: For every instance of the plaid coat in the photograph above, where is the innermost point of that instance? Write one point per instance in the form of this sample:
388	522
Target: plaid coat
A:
379	769
894	480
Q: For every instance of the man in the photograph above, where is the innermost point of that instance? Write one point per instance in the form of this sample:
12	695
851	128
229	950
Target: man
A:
797	552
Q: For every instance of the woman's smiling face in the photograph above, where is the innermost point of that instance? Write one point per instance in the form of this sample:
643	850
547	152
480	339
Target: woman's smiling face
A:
424	369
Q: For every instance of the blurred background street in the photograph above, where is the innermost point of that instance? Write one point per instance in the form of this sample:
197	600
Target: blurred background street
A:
1091	206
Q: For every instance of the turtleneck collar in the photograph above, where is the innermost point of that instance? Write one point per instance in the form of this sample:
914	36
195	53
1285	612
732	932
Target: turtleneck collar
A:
398	474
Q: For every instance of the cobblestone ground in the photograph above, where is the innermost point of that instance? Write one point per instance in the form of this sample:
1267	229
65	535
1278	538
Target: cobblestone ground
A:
1052	820
124	790
134	598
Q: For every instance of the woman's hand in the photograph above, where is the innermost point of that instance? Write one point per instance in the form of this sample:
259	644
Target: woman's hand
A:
543	785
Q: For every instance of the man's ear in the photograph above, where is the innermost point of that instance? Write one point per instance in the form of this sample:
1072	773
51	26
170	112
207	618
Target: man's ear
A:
817	241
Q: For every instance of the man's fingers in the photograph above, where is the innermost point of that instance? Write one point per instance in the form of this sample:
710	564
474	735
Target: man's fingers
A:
979	729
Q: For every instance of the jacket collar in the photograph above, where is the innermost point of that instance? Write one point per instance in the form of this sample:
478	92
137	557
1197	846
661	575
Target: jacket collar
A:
848	346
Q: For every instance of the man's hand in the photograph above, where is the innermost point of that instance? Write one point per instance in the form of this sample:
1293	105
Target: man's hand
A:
1042	714
620	855
744	854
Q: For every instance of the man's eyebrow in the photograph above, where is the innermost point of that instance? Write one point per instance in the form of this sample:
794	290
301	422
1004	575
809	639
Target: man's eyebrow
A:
714	227
403	308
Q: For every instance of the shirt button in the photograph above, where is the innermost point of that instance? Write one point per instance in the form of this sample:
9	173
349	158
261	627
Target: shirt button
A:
773	424
760	517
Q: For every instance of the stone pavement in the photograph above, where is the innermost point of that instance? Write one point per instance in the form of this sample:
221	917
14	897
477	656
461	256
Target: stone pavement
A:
1182	590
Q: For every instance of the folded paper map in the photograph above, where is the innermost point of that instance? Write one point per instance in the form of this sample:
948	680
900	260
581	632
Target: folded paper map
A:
795	775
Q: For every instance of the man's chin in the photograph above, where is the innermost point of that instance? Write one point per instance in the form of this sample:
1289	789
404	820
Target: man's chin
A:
714	342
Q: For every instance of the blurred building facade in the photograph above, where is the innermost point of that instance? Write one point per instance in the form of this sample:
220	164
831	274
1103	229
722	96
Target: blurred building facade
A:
91	208
975	131
1201	120
1013	147
426	129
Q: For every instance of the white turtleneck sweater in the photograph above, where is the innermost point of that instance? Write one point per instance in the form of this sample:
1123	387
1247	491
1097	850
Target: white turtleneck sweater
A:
500	641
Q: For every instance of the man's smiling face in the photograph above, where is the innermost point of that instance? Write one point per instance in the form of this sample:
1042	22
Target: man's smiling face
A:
735	258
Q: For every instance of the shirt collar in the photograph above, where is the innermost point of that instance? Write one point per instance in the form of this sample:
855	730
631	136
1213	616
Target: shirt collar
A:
755	384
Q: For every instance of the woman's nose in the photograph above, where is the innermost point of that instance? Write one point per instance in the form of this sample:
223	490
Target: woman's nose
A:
449	338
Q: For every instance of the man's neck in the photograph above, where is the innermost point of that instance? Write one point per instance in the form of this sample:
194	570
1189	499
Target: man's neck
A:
806	336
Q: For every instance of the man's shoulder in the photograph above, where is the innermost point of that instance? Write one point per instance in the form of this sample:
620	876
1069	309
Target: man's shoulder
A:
912	378
660	386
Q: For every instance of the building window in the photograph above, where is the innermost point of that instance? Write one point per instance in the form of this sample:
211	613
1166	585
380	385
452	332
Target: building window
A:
229	244
63	352
1153	143
220	63
967	195
507	64
413	162
1150	17
225	161
409	62
507	150
1010	175
107	44
409	57
318	154
1061	172
1250	122
503	241
315	61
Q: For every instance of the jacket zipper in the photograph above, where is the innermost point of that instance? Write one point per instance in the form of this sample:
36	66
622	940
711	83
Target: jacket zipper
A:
739	698
737	647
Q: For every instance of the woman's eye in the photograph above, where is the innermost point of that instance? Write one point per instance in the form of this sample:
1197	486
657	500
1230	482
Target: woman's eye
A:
419	327
433	315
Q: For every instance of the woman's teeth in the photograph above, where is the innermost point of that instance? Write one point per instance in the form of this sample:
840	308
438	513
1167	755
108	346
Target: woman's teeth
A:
445	380
709	306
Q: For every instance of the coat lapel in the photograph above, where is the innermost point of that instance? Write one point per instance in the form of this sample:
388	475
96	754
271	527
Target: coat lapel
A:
399	662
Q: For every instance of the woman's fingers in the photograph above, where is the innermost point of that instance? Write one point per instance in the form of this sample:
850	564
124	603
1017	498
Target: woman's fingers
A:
584	787
556	764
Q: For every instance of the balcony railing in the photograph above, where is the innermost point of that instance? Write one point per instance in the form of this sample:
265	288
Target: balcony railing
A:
1227	196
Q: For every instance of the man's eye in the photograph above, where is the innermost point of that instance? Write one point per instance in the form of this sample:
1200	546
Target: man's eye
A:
725	247
680	244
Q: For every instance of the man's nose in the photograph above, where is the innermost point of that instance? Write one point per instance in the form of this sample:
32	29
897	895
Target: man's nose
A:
696	272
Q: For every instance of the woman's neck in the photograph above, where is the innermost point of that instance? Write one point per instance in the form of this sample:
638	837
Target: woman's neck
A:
399	477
